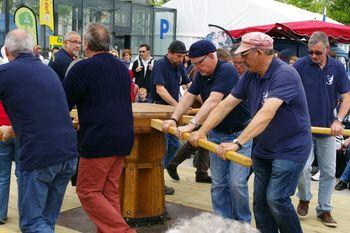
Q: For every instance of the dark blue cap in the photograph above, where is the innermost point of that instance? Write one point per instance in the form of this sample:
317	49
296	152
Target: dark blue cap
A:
177	47
201	48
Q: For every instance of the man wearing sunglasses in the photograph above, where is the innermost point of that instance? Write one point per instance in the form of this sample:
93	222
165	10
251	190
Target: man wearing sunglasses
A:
280	127
142	68
213	82
64	57
324	79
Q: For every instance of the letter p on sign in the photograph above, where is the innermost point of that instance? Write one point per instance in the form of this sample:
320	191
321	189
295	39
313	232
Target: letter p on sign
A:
164	27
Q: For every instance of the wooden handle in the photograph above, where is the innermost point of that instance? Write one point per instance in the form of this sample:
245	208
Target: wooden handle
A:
230	155
327	131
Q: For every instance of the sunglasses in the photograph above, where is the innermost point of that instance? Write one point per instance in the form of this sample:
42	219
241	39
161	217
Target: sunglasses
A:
198	63
318	53
142	51
245	53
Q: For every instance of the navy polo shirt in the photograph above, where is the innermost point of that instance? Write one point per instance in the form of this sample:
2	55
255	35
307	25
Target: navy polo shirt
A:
222	80
165	74
36	104
322	88
60	63
288	135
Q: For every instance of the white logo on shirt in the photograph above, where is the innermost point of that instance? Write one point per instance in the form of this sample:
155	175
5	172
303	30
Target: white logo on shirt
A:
329	79
264	96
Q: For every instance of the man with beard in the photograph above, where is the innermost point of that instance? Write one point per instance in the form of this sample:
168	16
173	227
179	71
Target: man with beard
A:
70	51
167	76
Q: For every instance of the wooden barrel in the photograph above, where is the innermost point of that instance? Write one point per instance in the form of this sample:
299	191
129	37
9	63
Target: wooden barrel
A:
142	181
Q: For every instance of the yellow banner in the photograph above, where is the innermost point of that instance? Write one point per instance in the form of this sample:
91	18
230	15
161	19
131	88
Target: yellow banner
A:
56	41
46	13
25	19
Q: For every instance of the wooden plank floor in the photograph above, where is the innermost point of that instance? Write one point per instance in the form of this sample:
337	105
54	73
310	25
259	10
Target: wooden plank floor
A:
190	193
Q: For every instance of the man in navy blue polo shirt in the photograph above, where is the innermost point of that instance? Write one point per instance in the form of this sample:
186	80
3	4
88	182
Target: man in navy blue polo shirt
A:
61	60
214	81
35	102
280	128
168	75
324	79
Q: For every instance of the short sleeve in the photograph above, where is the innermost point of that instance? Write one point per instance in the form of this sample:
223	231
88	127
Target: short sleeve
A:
225	79
195	87
158	74
284	87
342	80
239	90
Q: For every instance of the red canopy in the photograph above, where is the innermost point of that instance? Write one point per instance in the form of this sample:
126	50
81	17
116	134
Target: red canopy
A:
302	29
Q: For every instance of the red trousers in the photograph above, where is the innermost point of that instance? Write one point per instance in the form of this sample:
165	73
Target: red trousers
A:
97	188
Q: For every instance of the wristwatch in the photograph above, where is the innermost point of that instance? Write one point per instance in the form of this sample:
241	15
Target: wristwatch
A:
339	119
235	141
194	121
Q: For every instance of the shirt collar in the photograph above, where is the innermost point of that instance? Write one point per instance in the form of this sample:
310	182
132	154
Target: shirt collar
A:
270	70
25	55
313	64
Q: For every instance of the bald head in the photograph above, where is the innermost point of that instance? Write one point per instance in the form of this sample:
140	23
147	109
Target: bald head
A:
18	41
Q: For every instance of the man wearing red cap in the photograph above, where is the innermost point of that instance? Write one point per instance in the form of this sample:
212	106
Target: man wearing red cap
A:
280	128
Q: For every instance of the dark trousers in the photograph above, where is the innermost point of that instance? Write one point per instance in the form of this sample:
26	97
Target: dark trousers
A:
201	158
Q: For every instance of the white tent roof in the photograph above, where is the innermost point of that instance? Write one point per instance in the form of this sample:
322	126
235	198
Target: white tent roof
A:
193	16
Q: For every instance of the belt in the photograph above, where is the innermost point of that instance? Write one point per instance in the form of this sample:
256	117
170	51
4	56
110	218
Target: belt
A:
230	131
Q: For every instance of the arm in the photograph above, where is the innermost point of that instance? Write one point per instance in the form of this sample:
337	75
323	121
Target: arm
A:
184	104
212	101
215	117
336	126
164	94
258	124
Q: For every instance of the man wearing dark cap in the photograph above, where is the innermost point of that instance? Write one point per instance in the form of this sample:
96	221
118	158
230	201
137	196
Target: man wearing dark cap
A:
280	127
214	82
167	76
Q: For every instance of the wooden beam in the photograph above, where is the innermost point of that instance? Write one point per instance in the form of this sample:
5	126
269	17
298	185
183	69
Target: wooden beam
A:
327	131
230	155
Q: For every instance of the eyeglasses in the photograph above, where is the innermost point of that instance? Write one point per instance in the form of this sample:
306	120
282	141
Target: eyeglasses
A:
75	42
318	53
245	53
142	51
198	63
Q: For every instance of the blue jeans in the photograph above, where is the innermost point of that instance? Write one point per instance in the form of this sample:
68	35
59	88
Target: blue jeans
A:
345	177
229	189
274	182
326	157
172	146
9	151
42	192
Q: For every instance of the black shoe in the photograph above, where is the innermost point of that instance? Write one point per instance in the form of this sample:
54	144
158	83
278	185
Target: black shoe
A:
203	179
341	185
168	190
3	221
172	171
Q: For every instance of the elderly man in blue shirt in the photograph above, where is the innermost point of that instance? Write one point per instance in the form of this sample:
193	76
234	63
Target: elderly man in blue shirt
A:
214	81
280	128
324	79
35	102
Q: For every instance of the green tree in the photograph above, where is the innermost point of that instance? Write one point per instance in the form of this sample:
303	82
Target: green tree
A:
336	9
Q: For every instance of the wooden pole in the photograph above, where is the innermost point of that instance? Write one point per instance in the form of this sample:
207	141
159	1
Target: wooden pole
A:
327	131
230	155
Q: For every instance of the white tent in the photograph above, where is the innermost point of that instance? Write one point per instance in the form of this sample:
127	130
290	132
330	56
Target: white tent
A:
193	16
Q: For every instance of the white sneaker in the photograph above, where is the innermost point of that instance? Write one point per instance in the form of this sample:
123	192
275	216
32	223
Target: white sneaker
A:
316	177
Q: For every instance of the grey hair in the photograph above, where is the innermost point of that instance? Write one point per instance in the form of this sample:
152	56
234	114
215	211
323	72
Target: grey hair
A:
97	36
69	34
209	223
318	37
19	41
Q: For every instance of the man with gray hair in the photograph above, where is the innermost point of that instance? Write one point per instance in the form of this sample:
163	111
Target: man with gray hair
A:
35	102
61	60
324	79
214	81
100	87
